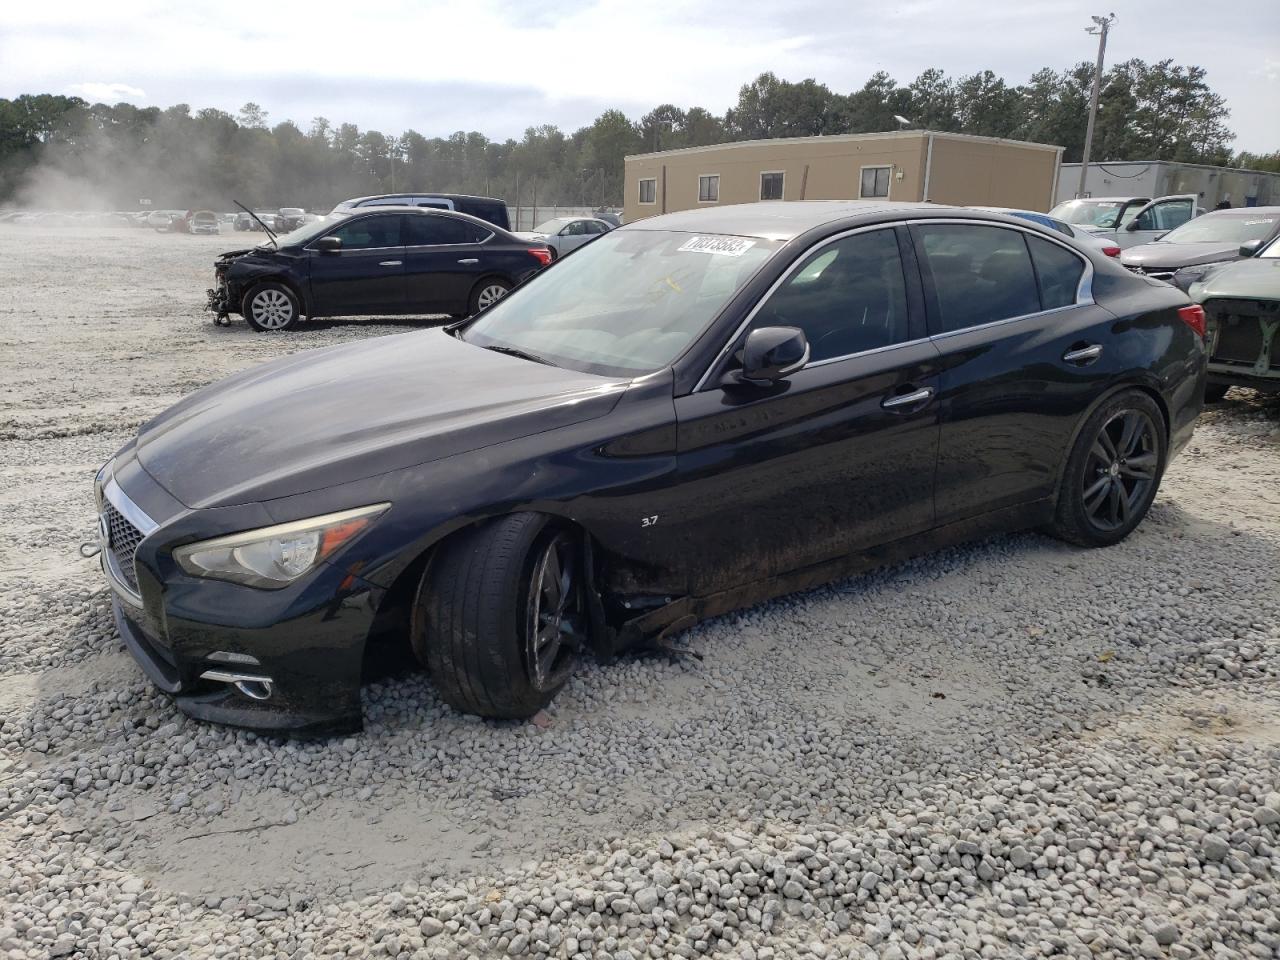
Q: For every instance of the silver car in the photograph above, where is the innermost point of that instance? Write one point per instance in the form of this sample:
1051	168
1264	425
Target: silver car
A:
563	234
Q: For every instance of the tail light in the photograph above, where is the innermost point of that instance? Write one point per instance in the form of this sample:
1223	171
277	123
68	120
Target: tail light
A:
1193	316
542	253
1111	251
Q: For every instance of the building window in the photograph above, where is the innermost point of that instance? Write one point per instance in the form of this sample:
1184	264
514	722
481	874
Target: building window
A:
875	182
709	188
771	185
649	190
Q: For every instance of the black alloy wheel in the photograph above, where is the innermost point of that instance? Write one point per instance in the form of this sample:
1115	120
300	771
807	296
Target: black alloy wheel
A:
1113	472
1121	470
554	629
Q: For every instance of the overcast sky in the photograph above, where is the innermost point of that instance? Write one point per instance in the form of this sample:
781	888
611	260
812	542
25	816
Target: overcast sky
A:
499	67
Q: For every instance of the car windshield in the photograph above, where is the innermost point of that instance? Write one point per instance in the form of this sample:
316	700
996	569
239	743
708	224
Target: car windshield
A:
629	303
1088	213
1224	228
550	226
309	231
1271	251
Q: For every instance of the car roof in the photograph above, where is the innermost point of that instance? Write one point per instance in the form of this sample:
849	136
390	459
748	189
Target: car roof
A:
1240	212
439	196
787	219
1094	199
417	211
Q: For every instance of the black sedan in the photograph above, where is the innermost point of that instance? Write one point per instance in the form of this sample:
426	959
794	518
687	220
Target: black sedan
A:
693	413
379	261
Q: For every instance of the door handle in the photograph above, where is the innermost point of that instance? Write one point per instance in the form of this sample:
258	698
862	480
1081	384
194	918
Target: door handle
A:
470	260
912	399
391	263
1083	355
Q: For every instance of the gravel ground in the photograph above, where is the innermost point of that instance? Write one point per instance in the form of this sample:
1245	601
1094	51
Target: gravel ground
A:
1011	749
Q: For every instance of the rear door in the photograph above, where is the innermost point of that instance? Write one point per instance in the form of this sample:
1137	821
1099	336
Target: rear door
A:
1156	219
1023	354
838	457
367	275
444	258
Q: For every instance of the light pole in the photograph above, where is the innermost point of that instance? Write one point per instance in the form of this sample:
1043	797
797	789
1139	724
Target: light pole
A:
1101	27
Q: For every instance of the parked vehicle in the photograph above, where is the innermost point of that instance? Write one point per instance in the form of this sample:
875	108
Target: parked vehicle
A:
203	222
384	260
563	234
609	217
289	218
1129	221
245	221
1109	247
1241	302
1183	255
161	220
486	208
691	414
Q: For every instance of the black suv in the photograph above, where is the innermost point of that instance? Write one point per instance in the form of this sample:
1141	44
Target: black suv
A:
486	208
386	260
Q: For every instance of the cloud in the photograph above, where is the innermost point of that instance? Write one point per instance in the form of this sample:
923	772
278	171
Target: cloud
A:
97	92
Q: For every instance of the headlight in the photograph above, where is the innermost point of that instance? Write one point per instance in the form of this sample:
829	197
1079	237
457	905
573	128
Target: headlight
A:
274	557
100	483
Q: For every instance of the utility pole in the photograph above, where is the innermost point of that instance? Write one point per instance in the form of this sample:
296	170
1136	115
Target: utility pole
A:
1101	28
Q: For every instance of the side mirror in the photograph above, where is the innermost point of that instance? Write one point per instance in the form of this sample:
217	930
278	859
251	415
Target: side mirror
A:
772	353
1132	226
1250	248
328	245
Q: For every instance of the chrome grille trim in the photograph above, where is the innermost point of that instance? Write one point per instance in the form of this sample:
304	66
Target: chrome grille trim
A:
126	527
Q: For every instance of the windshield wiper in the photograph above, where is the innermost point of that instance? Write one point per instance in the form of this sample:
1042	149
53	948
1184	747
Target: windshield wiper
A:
270	232
522	354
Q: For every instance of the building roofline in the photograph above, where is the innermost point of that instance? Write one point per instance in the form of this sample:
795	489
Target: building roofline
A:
843	138
1170	163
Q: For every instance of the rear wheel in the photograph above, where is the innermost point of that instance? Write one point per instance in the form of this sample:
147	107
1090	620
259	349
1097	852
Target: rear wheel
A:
487	293
499	617
271	306
1113	472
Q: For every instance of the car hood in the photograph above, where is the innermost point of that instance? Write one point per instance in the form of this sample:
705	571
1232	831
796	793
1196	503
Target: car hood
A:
324	417
1252	279
1175	255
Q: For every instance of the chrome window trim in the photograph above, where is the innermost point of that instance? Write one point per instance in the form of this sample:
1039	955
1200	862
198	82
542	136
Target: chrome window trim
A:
1084	290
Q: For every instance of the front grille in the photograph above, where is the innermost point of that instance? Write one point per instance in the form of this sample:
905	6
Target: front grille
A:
1160	273
122	540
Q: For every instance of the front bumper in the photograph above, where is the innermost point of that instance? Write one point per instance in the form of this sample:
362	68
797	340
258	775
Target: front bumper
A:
285	661
1244	342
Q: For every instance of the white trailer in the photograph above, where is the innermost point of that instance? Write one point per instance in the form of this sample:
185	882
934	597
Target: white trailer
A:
1162	178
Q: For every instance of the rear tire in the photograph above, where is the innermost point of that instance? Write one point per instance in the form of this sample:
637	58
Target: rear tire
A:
499	616
1215	392
1113	472
271	306
488	292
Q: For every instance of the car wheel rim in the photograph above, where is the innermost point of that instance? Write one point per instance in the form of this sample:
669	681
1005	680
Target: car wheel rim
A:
1120	469
271	309
554	631
490	295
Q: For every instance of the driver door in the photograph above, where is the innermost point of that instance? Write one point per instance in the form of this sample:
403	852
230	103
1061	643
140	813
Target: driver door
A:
839	457
1156	219
365	276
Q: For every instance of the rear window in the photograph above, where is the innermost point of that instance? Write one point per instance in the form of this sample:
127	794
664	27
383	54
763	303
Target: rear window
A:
980	274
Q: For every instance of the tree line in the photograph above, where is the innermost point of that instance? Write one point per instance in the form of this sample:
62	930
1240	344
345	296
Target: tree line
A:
58	151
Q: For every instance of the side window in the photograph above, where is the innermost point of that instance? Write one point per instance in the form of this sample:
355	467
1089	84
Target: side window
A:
847	297
1058	271
433	231
370	233
1166	216
576	228
980	273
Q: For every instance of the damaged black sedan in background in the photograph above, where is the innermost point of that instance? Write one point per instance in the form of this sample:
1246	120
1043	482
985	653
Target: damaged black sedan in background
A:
376	262
690	414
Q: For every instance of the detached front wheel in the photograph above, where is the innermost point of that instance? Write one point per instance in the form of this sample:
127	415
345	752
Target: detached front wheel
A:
271	306
499	618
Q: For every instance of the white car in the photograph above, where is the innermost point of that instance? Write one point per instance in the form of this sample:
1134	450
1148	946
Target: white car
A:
563	234
1080	235
1129	221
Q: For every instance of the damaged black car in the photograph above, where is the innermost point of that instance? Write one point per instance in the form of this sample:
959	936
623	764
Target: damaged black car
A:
694	413
378	262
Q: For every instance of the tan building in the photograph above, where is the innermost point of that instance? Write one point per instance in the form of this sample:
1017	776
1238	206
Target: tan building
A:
948	168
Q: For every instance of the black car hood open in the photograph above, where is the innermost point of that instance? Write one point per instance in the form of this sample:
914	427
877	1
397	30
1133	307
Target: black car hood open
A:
324	417
1171	256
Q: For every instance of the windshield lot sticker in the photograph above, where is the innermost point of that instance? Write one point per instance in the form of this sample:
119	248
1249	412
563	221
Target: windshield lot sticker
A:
721	246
